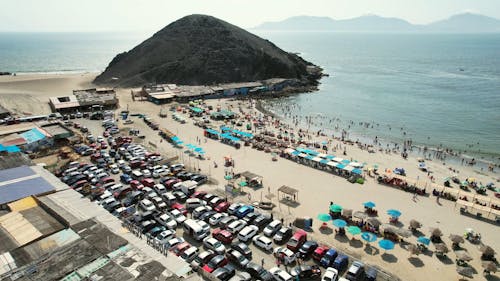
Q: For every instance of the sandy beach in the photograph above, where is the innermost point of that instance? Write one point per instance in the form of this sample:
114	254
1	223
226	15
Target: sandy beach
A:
28	94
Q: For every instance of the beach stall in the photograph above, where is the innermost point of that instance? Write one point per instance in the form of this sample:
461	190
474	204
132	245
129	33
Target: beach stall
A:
286	193
253	180
211	133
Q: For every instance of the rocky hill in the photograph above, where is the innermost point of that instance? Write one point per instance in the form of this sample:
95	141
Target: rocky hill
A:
203	50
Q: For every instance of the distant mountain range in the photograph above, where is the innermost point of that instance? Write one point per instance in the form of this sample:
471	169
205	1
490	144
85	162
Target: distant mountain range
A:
461	23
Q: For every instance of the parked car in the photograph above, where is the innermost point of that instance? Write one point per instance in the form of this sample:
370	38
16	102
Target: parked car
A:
233	208
237	258
216	218
272	228
223	235
285	255
236	226
306	272
243	249
202	259
263	242
224	273
329	257
214	263
282	235
262	220
215	245
307	249
298	238
319	252
243	211
280	275
224	222
340	263
331	274
258	272
247	233
355	270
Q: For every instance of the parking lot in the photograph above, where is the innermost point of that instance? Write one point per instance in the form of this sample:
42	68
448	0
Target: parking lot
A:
150	145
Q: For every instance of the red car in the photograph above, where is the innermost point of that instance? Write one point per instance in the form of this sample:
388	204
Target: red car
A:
179	249
120	194
135	184
169	184
106	180
148	182
179	207
319	252
298	238
223	235
199	194
216	262
222	207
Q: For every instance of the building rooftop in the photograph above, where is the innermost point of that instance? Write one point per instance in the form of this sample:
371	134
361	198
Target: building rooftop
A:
64	102
56	129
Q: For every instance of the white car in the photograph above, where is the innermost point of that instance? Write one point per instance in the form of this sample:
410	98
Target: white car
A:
233	208
160	205
167	221
200	210
160	188
178	216
263	242
272	228
165	236
247	233
204	226
331	274
174	242
215	245
114	169
159	173
286	255
147	205
215	219
280	275
236	226
146	173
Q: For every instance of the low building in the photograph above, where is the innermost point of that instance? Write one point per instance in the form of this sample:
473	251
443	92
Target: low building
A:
85	100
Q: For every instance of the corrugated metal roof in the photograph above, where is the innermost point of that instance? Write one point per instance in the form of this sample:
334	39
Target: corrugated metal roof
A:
15	173
23	204
24	188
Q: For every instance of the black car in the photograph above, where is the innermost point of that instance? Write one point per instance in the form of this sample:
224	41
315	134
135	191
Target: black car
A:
306	272
307	249
113	206
182	175
243	249
262	220
250	217
206	215
200	179
180	195
165	179
237	258
282	235
208	197
258	272
224	273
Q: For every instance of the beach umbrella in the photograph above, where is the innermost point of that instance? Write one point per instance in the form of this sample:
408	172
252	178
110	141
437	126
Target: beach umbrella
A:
386	244
489	266
369	204
436	232
486	250
441	247
368	237
228	177
347	213
394	213
463	255
424	240
324	217
243	183
414	250
354	230
456	238
336	208
339	223
415	224
465	271
403	232
198	149
373	222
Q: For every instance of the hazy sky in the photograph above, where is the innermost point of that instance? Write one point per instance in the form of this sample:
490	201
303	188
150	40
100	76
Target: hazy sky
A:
145	15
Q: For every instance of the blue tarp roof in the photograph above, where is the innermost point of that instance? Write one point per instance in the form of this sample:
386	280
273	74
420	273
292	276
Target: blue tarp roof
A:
357	171
15	173
330	157
229	137
324	161
224	128
12	148
244	134
211	131
340	166
345	161
32	135
18	190
296	153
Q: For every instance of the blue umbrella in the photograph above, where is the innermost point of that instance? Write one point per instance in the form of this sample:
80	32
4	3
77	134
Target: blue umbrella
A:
369	237
424	240
394	213
339	223
369	204
198	149
386	244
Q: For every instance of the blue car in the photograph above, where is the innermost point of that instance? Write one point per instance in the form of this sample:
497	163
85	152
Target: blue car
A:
328	259
243	211
341	262
125	178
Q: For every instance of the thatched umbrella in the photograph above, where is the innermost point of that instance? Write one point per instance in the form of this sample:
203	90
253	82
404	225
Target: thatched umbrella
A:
456	239
403	232
487	250
465	271
415	224
489	266
414	250
347	213
436	232
463	255
441	247
360	215
373	222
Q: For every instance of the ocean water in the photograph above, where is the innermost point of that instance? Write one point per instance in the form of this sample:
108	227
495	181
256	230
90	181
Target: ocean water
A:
439	89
